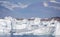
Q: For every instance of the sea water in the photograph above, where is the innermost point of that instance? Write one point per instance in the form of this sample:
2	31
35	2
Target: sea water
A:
27	36
33	36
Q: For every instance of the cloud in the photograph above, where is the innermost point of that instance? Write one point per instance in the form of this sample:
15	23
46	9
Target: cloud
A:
12	6
54	1
45	4
23	5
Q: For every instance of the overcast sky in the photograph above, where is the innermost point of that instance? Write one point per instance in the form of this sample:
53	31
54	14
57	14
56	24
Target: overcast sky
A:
30	8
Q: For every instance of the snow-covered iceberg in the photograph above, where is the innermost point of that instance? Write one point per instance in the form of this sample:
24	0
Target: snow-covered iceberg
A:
35	26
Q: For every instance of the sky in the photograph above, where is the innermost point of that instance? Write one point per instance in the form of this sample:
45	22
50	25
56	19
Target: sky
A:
30	8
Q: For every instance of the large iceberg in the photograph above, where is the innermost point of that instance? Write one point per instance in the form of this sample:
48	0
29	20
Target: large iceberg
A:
35	26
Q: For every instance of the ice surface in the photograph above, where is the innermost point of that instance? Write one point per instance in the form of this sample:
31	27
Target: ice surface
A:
25	26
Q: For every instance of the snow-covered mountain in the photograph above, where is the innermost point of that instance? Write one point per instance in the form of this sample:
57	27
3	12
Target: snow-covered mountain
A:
35	26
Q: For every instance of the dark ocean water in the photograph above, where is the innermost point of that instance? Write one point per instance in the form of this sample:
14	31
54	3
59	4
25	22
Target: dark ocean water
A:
29	36
35	36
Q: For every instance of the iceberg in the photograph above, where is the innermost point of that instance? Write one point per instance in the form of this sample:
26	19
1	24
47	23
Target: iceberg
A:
34	26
